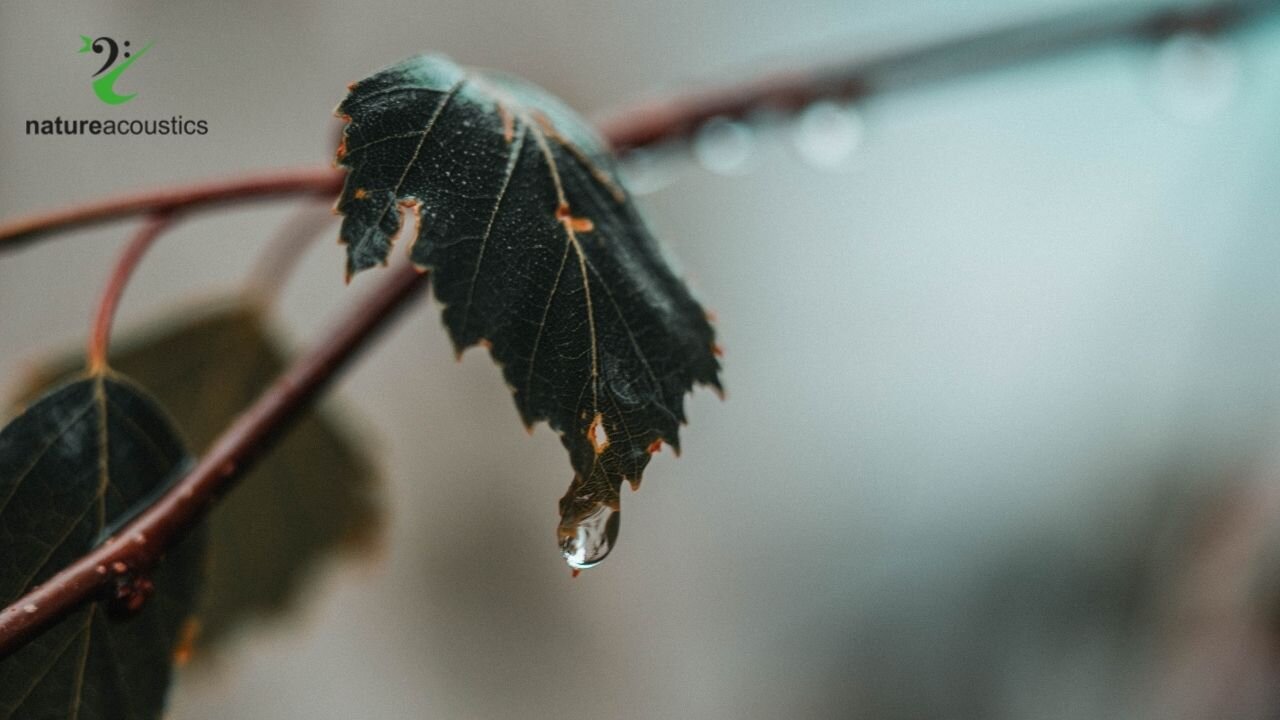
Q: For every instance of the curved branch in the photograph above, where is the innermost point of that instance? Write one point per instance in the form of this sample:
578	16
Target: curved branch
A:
311	181
100	334
678	118
138	546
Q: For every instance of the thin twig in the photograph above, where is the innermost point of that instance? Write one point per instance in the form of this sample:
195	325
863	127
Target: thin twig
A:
678	118
100	333
324	182
137	547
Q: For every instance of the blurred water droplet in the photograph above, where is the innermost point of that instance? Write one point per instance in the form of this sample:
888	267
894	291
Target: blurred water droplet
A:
724	146
827	133
1196	77
646	171
589	522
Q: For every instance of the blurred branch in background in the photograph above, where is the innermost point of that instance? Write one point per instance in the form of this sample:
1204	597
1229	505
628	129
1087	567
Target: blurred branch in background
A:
678	119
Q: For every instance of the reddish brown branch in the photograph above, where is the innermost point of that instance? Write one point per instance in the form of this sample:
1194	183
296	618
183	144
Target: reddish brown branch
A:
100	334
318	181
678	118
139	545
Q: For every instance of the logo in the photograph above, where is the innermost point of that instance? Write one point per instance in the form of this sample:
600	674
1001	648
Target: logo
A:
104	85
119	56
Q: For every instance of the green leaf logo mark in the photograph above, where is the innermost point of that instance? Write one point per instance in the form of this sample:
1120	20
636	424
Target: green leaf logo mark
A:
104	85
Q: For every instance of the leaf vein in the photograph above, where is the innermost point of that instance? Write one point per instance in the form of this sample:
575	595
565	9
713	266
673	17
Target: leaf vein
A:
512	161
61	433
542	324
431	123
35	682
635	344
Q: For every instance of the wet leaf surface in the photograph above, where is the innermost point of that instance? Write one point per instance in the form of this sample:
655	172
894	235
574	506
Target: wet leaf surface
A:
71	466
313	495
537	251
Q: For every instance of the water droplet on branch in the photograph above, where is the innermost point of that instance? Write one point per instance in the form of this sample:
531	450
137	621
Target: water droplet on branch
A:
647	171
826	134
1196	76
724	146
131	592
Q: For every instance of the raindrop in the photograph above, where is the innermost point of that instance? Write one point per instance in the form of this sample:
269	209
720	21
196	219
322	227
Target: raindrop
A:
587	539
724	146
1196	77
646	171
827	133
590	513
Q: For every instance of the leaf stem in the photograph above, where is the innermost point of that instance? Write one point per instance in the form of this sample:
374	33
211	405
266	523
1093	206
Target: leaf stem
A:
138	546
100	333
324	182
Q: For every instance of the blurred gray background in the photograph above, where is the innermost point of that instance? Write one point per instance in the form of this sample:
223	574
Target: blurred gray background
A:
1002	384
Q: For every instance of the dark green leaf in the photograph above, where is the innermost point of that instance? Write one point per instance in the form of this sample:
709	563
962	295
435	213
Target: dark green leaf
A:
535	249
70	466
313	494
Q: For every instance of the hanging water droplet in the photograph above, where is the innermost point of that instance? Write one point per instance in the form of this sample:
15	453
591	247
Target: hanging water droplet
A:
724	146
589	521
1196	77
826	134
589	539
646	171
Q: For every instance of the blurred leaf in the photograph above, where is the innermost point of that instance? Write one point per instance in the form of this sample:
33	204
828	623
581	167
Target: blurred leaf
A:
536	249
312	495
71	466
